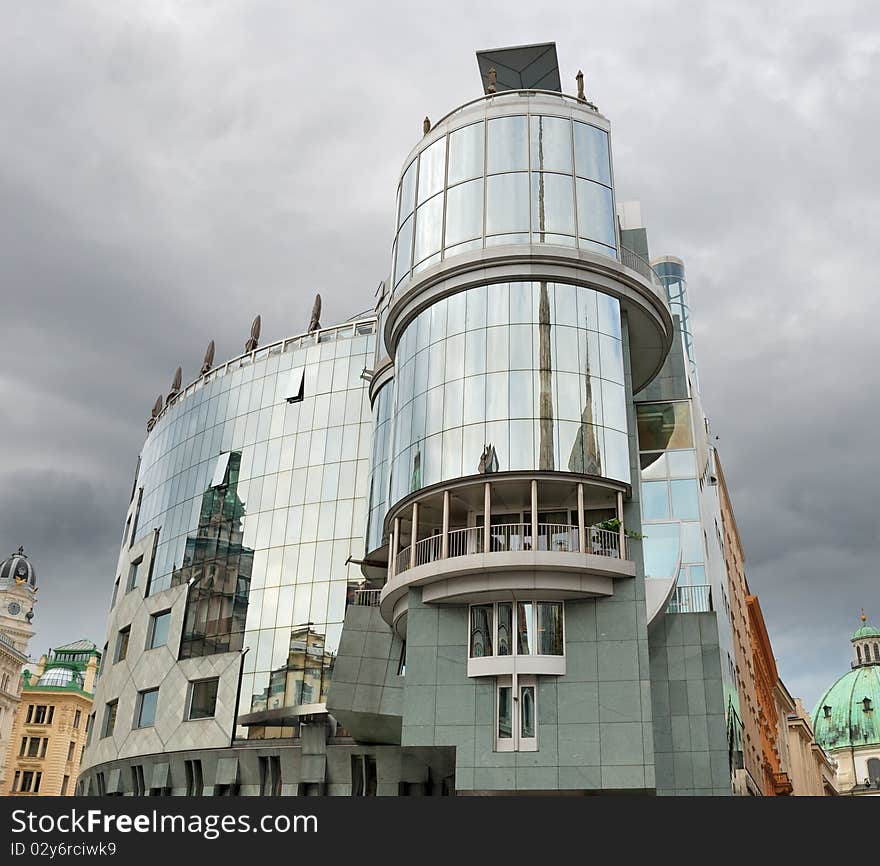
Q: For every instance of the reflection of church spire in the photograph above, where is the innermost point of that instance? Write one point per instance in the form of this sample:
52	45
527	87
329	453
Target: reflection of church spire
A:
585	457
545	374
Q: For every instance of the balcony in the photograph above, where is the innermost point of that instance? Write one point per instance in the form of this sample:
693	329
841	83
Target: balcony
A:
508	538
501	537
690	599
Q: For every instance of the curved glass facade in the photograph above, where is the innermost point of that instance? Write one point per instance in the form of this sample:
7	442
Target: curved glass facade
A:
381	464
534	369
518	179
256	483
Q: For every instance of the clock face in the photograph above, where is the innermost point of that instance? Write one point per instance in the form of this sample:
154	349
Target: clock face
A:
14	608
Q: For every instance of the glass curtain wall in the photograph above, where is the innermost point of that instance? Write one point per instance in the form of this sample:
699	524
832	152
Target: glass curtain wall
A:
533	369
518	179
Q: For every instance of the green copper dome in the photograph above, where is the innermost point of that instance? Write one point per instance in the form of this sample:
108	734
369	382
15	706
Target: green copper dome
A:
866	630
840	719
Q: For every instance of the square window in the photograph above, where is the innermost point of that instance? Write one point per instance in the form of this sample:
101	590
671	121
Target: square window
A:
122	643
203	699
110	718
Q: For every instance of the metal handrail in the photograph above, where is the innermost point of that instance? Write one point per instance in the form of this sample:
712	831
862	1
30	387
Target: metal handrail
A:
508	537
635	262
690	599
279	347
526	91
367	597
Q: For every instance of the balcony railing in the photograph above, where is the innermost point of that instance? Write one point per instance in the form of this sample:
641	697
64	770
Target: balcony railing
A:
690	599
367	597
508	538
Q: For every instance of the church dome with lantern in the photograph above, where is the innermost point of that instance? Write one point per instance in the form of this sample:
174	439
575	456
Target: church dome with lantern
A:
18	569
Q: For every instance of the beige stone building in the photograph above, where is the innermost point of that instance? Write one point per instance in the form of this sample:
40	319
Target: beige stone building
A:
18	588
49	730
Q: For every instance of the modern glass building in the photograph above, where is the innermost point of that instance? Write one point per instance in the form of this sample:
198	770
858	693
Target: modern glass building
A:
427	551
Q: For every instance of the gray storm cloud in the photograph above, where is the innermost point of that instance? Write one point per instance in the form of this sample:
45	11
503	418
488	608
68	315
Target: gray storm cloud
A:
171	170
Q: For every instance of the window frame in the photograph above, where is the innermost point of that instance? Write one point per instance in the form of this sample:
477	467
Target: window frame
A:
516	742
151	630
137	720
191	695
514	636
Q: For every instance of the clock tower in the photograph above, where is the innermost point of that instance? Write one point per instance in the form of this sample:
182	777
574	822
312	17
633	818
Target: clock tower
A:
18	590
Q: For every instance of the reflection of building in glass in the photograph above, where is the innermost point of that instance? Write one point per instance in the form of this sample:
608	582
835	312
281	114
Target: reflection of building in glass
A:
508	460
217	569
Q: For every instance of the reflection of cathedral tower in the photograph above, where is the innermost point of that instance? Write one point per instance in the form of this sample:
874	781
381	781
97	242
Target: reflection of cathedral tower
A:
585	457
218	569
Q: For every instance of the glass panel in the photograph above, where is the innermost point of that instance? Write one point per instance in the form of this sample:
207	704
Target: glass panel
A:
147	714
550	637
429	223
691	542
481	630
466	153
431	169
591	153
653	466
507	204
404	251
660	547
664	425
527	712
508	145
505	713
160	629
505	628
407	192
685	499
655	500
682	463
595	213
552	204
551	144
525	628
464	212
204	699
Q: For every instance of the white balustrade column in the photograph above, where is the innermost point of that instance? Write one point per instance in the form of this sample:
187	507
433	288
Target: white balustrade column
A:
534	514
621	550
414	534
444	542
582	529
487	515
395	544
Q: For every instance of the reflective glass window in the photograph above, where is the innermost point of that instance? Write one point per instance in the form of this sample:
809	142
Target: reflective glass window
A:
685	499
525	627
507	203
664	425
203	698
591	154
507	145
655	500
404	251
464	212
504	612
432	166
552	204
466	153
551	144
691	542
550	638
527	712
158	634
682	464
660	548
481	630
407	192
505	713
146	708
429	225
595	211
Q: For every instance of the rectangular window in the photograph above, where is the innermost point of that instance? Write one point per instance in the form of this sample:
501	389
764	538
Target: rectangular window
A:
137	517
193	778
296	385
24	742
137	780
43	715
71	749
109	718
516	715
131	583
76	717
550	637
401	662
145	714
270	776
481	630
115	593
122	643
44	746
220	470
30	714
505	628
525	631
64	783
203	699
363	776
158	630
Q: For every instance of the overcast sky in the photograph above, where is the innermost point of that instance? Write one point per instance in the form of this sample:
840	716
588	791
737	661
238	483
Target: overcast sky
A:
171	169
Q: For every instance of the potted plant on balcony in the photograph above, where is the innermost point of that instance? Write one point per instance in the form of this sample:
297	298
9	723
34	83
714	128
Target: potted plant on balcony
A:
612	524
